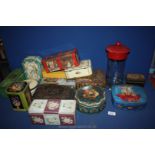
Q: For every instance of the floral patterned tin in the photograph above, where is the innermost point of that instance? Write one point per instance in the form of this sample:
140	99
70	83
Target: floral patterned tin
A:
84	69
61	61
33	67
20	96
53	112
128	96
90	99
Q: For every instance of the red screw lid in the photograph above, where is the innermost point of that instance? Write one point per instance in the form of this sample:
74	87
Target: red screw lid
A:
117	51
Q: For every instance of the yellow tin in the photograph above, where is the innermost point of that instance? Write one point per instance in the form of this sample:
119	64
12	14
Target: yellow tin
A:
56	74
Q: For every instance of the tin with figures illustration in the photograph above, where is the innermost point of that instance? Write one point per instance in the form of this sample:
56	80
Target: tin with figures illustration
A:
128	96
20	95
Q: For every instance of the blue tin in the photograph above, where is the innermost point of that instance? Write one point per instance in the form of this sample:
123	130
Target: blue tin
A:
128	96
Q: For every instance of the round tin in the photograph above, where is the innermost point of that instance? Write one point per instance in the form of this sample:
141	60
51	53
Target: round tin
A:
90	99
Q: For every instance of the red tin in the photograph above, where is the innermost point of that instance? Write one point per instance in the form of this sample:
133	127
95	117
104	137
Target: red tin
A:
61	61
117	51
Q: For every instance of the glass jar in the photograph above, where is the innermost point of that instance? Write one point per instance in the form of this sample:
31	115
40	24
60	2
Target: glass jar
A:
117	55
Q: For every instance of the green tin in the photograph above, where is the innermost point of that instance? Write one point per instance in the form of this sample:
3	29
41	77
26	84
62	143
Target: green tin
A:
33	67
15	75
20	96
90	99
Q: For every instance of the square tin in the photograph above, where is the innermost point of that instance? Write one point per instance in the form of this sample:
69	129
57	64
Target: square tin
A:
20	95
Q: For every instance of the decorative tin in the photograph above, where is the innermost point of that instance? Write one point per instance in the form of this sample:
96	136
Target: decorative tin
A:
67	112
96	79
84	69
57	74
53	112
19	95
135	79
128	96
65	82
90	99
36	111
61	61
53	91
15	75
33	67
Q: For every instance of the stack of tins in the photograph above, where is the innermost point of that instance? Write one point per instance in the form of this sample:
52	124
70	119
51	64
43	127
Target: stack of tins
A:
53	112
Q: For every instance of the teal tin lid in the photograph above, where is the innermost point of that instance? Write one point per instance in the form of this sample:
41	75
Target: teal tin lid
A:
128	95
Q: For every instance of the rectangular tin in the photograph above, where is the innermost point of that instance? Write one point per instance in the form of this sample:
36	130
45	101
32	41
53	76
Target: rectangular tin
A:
84	69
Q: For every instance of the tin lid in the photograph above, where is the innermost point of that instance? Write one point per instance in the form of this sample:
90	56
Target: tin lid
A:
17	87
117	51
67	107
37	106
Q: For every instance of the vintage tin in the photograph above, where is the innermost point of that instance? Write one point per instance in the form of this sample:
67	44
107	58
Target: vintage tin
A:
135	79
52	112
64	82
128	96
98	78
84	69
15	75
19	95
33	67
57	74
61	61
90	99
36	111
67	112
54	91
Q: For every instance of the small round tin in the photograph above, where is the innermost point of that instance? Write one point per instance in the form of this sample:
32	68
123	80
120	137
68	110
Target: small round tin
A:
90	99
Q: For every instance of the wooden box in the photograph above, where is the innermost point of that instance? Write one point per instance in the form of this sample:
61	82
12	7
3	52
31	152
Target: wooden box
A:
53	112
20	95
84	69
61	61
32	67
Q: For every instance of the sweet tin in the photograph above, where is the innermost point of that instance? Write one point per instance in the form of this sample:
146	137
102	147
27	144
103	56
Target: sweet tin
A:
61	61
36	111
15	75
67	112
96	79
33	67
53	112
20	96
128	96
57	74
64	82
54	91
84	69
135	79
90	99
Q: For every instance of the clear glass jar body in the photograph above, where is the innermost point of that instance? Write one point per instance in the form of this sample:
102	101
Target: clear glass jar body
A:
115	72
